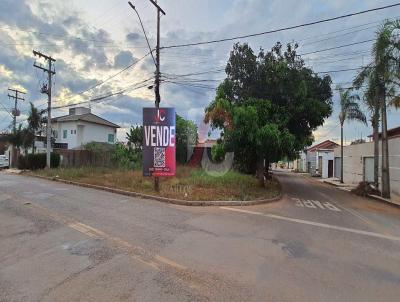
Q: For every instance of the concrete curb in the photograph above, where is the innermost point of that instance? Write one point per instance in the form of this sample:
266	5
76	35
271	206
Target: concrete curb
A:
374	197
165	199
381	199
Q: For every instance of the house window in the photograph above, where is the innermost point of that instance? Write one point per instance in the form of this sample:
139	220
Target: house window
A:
111	138
65	132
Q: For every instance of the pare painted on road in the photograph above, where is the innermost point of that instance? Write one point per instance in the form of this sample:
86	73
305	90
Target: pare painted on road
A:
315	204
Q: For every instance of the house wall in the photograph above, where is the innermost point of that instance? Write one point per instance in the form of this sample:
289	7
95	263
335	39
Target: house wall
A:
311	161
312	157
85	133
326	157
71	138
302	162
353	162
96	133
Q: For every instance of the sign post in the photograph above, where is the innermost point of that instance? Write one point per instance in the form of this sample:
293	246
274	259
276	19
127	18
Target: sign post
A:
159	142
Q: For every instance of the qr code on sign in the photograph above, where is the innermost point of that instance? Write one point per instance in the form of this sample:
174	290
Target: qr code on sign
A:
159	157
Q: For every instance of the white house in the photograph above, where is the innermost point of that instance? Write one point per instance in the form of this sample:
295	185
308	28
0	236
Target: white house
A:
320	159
79	127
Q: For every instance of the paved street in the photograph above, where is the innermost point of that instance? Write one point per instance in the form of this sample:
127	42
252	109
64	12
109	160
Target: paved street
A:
66	243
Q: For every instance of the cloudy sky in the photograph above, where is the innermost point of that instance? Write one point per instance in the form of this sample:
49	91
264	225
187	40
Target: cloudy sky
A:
93	41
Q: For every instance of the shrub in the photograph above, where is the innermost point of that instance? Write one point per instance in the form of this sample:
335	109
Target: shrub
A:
126	157
37	161
218	152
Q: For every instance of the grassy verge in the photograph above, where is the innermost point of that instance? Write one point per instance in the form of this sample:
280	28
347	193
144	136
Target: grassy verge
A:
189	183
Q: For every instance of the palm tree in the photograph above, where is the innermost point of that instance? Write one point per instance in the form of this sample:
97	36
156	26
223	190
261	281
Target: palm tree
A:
349	110
372	102
35	121
386	69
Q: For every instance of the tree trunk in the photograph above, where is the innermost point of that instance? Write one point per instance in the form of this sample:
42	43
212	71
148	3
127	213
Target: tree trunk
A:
33	147
375	125
341	153
260	171
385	147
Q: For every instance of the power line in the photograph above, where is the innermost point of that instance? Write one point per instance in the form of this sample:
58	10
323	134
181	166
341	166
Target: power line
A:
110	77
336	47
281	29
108	95
340	70
337	36
144	32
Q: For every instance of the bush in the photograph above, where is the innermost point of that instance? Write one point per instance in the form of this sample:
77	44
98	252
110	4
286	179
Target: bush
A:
37	161
218	152
126	157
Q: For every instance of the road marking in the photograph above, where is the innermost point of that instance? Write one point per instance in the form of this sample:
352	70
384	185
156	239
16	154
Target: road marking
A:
314	204
358	215
312	223
138	253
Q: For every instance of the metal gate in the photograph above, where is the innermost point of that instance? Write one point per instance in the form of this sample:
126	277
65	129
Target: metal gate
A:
369	169
338	167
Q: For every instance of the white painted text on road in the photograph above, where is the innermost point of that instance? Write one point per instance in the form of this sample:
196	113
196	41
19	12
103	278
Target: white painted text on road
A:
315	204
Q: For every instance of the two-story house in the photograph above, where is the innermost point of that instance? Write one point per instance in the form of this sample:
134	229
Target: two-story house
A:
80	127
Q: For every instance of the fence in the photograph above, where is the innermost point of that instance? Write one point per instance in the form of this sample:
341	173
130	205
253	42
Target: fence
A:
80	158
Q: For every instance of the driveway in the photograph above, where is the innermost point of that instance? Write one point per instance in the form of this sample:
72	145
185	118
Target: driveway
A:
66	243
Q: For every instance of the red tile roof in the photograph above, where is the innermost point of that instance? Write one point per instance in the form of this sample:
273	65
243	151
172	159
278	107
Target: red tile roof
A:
328	144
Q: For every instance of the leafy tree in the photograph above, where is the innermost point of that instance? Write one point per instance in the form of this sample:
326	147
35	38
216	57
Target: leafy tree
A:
385	70
186	135
268	106
349	110
135	137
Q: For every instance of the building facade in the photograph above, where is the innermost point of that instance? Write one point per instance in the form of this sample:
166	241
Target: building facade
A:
320	159
80	127
358	162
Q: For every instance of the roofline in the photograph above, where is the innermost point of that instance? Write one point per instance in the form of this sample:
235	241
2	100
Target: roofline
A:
79	119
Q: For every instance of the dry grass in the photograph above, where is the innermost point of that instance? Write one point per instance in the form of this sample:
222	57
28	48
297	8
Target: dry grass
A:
189	183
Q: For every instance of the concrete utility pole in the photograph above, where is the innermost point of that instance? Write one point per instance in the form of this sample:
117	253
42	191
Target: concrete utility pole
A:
47	90
158	73
15	112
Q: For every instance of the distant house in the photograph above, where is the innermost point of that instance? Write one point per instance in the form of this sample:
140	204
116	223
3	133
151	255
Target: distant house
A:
80	127
320	159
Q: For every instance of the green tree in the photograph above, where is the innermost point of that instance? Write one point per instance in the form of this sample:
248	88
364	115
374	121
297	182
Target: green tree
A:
385	68
268	106
186	136
135	137
349	110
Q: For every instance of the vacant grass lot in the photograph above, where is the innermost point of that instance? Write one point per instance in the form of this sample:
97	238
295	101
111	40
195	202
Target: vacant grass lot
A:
189	183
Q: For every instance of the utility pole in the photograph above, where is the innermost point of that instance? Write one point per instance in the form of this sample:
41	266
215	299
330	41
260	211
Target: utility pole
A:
158	73
46	89
15	112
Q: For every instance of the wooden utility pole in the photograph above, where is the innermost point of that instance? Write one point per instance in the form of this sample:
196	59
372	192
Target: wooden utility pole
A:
15	112
46	89
157	73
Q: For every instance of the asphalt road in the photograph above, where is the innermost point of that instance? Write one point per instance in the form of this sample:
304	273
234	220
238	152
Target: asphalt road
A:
65	243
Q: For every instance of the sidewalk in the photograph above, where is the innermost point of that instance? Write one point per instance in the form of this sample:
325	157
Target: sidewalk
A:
336	182
348	187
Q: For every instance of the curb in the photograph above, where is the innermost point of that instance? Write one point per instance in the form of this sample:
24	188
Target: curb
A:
381	199
370	196
165	199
